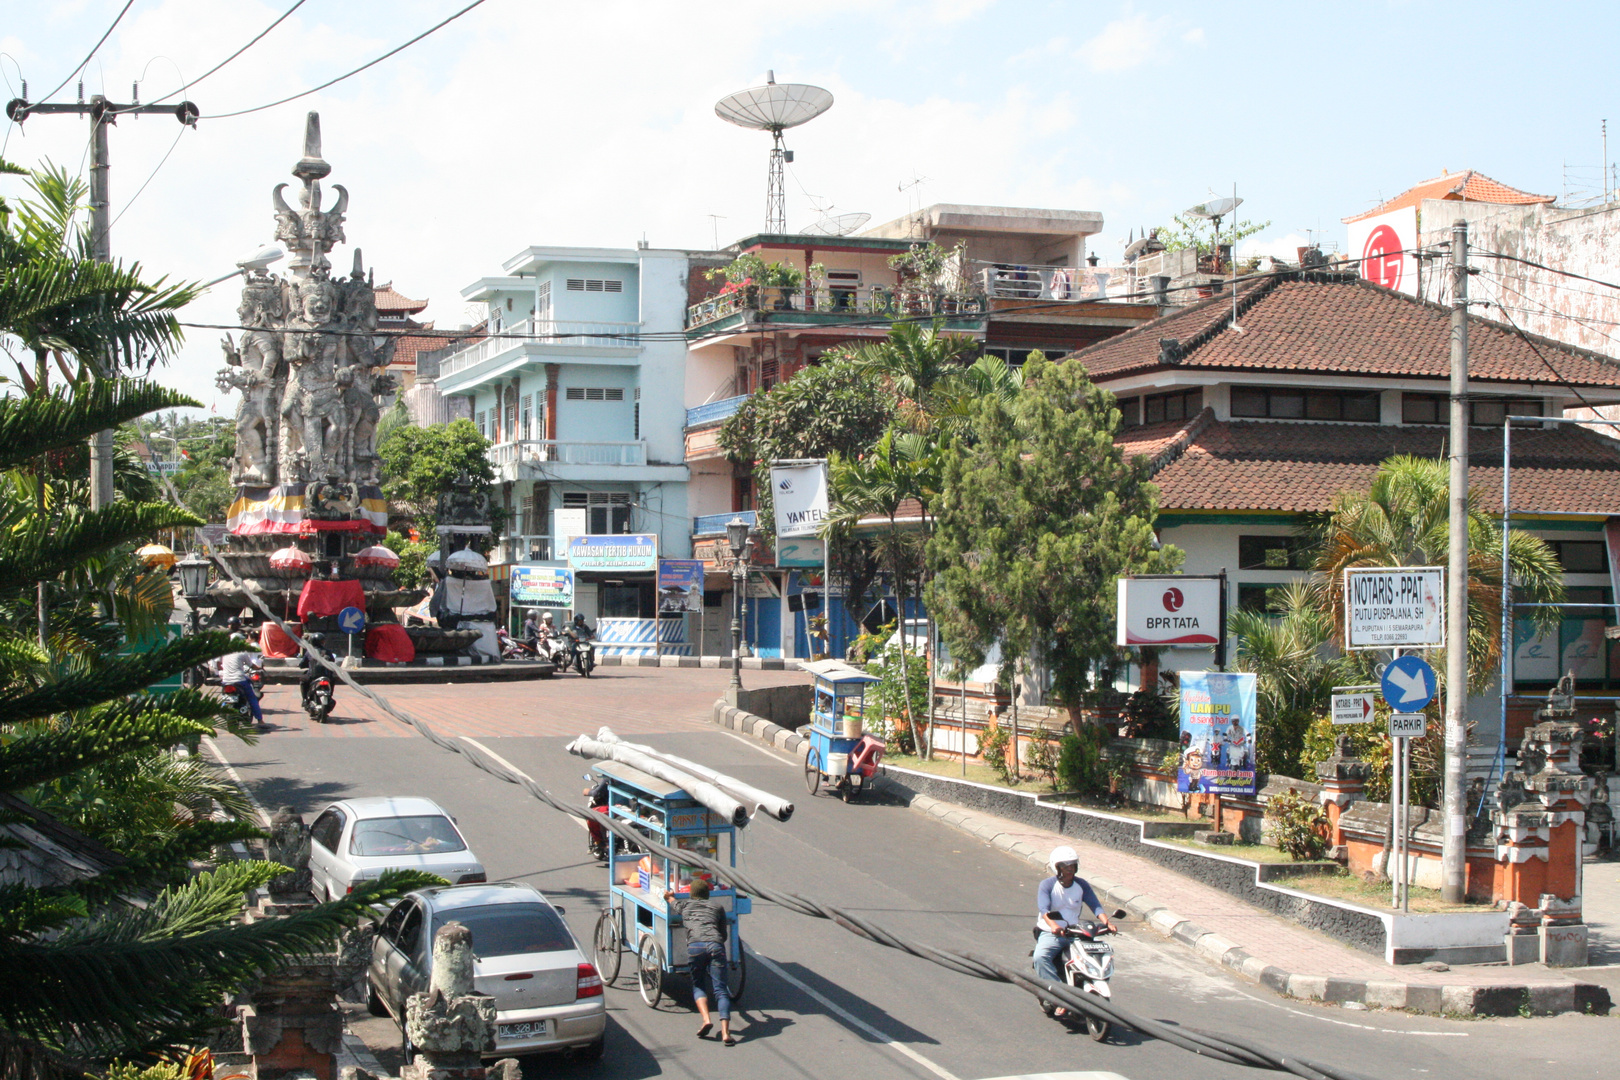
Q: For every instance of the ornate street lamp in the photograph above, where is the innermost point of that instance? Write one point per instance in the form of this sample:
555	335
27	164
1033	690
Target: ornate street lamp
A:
737	540
193	572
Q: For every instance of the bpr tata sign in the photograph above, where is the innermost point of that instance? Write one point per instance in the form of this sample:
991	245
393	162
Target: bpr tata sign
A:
1169	611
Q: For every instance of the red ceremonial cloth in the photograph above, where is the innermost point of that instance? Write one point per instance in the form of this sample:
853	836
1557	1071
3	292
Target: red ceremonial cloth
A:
321	597
389	642
273	643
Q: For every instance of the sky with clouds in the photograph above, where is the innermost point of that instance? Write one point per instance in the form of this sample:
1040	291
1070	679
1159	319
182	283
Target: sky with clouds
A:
533	122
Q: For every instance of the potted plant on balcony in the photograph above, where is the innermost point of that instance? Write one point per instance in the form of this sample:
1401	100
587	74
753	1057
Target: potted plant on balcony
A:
744	275
932	278
787	281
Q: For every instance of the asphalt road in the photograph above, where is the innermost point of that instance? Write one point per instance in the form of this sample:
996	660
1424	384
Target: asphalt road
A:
821	1002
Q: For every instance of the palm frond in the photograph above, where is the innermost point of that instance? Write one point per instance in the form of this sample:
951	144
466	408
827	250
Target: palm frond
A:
125	675
32	425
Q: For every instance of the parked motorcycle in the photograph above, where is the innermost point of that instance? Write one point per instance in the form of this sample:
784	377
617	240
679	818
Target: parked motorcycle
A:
514	648
234	698
1088	964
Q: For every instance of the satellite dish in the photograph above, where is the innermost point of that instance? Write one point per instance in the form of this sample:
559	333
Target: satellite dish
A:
1215	208
836	225
774	108
1134	248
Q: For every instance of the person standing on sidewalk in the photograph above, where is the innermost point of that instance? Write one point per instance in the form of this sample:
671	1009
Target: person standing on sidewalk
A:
1061	902
706	935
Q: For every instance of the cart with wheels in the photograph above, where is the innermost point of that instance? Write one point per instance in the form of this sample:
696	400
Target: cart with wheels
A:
838	750
637	919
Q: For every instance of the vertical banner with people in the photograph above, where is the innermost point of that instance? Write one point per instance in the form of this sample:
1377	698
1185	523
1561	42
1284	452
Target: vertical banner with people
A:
1217	733
680	586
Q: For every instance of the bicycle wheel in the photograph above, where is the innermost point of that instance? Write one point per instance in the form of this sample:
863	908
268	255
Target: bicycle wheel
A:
812	771
650	971
737	978
609	941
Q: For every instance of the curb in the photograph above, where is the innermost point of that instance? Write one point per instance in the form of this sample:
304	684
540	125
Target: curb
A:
746	723
749	663
1498	1000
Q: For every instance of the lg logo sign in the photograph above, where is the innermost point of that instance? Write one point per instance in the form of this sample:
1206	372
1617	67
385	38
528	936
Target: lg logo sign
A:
1173	600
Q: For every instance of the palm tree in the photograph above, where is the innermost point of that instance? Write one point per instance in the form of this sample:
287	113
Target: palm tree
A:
917	361
1403	520
88	976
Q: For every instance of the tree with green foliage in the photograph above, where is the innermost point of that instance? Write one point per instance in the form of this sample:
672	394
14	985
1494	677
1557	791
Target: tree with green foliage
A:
422	463
1039	515
1403	519
1199	233
89	976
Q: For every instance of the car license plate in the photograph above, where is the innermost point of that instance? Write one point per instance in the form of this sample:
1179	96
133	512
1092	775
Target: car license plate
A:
529	1029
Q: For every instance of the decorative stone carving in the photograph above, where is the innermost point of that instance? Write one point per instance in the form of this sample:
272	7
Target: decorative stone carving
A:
289	846
450	1025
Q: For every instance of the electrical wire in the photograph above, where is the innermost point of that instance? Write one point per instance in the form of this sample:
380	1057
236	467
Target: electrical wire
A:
150	176
1202	1043
185	86
1567	385
356	71
91	53
1542	266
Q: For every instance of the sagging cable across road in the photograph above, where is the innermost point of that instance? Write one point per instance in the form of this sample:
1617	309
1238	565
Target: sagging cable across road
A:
1204	1044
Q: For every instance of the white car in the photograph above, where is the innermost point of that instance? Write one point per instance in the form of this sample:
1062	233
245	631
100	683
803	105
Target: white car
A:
357	839
548	995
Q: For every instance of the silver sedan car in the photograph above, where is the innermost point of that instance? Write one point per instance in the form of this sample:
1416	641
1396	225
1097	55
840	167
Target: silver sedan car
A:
548	995
357	839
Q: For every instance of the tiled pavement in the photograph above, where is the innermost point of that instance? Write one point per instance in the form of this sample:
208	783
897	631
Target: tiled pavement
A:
633	701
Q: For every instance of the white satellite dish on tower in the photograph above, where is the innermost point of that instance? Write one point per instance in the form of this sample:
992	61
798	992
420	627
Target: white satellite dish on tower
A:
774	108
836	225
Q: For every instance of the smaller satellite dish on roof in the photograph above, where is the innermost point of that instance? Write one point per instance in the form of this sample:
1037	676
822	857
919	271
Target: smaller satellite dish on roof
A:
1215	208
1134	248
836	225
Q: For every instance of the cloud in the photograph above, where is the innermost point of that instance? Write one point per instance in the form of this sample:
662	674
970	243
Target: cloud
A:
1127	43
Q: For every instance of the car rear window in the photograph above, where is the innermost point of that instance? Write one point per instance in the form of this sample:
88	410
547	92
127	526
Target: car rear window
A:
429	834
510	929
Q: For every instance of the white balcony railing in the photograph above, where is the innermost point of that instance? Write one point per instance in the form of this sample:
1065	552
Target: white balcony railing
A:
516	549
561	452
865	300
567	333
1051	282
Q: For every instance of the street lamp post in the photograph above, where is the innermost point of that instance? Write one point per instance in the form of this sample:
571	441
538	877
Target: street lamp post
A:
193	573
737	540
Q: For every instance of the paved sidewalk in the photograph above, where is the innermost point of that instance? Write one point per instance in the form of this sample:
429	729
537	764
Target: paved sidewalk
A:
1289	958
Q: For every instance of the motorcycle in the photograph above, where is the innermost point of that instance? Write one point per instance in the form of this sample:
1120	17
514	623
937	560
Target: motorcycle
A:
233	696
581	655
320	698
596	837
514	648
1088	964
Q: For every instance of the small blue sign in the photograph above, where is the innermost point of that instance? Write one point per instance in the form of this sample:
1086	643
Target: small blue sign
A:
1408	684
351	620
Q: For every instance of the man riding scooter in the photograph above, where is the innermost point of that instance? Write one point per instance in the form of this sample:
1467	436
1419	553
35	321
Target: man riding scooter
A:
236	672
580	651
1060	903
313	674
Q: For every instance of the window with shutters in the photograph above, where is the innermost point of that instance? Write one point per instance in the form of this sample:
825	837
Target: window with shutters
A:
608	512
601	285
595	393
526	424
542	300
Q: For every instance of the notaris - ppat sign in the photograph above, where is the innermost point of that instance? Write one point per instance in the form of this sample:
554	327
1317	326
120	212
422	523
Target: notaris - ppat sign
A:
1394	607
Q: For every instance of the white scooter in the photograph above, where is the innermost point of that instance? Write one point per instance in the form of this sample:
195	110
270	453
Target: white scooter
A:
1088	964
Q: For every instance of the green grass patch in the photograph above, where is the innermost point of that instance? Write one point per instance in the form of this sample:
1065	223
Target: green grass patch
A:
1253	852
984	774
1344	886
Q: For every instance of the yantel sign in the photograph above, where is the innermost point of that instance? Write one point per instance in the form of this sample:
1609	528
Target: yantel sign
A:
1169	611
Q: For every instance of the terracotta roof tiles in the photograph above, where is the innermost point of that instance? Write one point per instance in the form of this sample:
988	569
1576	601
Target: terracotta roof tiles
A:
396	304
1465	186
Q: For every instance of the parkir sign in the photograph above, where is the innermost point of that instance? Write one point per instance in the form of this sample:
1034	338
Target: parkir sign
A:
1170	610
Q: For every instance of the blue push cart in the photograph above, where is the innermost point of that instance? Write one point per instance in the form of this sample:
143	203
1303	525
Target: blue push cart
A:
840	751
637	917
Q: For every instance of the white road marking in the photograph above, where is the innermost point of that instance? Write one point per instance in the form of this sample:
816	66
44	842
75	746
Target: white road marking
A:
487	751
236	778
779	756
1348	1023
854	1021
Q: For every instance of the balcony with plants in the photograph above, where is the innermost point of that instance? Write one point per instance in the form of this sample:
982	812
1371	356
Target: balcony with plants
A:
755	290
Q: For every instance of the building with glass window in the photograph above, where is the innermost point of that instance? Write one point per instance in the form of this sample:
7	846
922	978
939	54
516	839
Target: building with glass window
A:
577	380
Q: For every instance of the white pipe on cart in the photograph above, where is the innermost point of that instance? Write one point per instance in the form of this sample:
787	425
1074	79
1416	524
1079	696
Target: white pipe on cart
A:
709	795
780	809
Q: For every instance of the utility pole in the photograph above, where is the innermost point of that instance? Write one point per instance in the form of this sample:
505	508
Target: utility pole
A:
102	114
1453	846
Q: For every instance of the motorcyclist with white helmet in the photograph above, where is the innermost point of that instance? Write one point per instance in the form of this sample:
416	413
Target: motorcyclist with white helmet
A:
1061	902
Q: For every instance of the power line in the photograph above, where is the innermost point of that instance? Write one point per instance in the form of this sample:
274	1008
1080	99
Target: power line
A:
1567	385
185	86
1544	266
356	71
183	129
91	53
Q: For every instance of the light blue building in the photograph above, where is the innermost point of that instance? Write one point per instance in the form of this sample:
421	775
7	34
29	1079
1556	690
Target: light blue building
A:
578	383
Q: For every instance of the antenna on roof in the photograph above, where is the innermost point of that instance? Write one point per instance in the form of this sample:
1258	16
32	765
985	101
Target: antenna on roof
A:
774	109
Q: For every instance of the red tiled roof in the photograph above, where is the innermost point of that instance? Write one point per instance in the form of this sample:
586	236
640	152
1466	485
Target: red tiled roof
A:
392	303
407	346
1338	323
1260	465
1465	186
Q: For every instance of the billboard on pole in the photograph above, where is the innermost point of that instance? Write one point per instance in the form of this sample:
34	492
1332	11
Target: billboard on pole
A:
1400	607
799	494
1217	733
1169	610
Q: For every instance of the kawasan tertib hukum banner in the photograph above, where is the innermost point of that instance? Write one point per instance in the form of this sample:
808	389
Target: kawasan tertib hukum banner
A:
1217	733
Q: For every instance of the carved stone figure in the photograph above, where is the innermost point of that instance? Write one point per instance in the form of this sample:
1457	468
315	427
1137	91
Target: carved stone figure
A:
256	370
312	409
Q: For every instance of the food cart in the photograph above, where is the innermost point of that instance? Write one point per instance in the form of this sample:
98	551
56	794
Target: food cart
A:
637	917
840	751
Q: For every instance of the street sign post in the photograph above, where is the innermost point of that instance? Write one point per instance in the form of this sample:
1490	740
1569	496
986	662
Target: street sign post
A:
1352	707
1399	607
352	621
1408	725
1408	684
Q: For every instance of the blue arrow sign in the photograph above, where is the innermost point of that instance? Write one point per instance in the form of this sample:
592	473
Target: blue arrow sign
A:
1408	684
351	620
